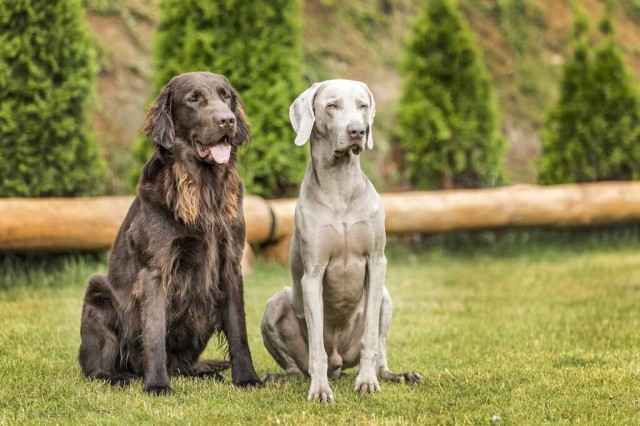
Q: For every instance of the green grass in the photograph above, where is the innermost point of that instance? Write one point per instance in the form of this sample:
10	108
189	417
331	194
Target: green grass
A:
534	334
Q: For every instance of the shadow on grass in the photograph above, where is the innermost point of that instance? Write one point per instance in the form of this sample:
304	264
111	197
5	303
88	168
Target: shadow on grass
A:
536	243
48	270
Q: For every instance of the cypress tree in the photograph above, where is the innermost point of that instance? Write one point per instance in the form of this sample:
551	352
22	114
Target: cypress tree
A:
47	75
593	134
447	117
256	45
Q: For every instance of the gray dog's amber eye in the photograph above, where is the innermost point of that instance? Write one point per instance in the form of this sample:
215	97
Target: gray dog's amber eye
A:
193	98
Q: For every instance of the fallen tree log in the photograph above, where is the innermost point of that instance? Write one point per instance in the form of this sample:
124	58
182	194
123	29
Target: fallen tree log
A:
92	223
60	224
570	205
86	224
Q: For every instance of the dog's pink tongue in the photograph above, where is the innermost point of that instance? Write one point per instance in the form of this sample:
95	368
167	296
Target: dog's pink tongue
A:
221	153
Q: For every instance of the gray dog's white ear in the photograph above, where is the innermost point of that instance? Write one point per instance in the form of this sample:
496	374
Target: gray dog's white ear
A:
370	117
301	114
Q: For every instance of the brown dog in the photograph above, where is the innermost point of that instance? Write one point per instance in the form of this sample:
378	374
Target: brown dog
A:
174	273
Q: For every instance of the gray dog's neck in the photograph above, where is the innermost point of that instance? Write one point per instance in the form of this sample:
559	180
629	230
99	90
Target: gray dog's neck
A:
340	176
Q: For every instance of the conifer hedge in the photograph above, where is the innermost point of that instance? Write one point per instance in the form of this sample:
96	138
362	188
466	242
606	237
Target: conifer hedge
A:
47	75
593	133
447	117
256	45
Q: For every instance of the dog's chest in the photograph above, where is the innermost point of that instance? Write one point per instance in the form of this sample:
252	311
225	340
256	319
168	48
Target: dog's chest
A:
196	289
349	239
345	237
344	278
351	231
195	281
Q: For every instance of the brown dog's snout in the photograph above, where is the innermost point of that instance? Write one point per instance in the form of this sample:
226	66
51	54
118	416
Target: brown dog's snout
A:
225	120
356	130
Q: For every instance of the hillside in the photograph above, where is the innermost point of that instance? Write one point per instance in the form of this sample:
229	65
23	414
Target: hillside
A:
524	43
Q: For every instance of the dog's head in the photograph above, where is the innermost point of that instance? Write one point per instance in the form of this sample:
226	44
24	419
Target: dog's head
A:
339	110
201	112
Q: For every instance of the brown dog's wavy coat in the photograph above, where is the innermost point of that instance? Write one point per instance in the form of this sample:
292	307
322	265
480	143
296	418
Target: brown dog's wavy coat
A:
174	274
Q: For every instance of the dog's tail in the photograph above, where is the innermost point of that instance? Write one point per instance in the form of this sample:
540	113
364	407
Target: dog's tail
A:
210	368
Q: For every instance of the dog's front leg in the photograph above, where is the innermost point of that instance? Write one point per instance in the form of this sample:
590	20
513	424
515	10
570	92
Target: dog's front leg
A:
367	380
234	325
320	390
154	329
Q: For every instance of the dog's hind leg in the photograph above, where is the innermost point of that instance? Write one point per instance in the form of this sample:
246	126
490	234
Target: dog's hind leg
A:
284	338
385	323
100	342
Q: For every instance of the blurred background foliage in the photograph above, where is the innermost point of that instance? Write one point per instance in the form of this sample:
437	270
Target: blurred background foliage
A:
47	77
525	45
447	125
593	133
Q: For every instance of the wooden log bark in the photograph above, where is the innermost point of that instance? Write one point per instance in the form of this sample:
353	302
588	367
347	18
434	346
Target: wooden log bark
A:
61	224
86	224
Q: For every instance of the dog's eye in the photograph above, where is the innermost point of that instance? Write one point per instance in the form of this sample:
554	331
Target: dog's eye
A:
193	99
364	106
332	106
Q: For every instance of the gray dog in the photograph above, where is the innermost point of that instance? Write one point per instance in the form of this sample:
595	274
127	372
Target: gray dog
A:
338	311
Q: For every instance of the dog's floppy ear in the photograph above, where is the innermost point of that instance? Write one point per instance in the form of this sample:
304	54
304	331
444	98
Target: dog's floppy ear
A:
159	125
370	117
301	114
243	129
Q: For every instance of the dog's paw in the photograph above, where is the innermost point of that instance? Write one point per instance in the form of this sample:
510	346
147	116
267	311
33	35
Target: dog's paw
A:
391	377
282	377
320	392
275	378
366	385
248	382
409	378
157	390
271	378
412	378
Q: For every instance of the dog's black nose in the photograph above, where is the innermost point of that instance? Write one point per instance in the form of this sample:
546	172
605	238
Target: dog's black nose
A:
356	130
225	120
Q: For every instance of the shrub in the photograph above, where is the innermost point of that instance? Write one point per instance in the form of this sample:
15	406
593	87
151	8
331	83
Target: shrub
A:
593	134
256	45
47	74
447	117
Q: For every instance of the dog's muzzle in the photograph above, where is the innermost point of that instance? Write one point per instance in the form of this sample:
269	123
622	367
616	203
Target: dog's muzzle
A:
355	147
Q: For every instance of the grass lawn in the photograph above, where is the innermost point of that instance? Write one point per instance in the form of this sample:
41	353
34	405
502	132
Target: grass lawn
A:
526	336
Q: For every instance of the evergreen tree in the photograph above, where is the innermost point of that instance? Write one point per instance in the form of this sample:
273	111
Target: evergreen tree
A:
447	117
47	74
256	45
593	134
